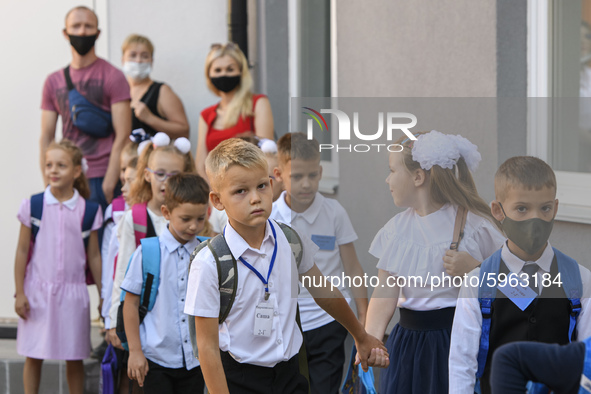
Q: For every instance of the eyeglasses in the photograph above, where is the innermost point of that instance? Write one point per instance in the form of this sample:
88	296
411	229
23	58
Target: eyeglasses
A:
161	176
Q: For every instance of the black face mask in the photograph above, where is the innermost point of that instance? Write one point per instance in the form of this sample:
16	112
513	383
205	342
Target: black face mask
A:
82	44
226	83
530	235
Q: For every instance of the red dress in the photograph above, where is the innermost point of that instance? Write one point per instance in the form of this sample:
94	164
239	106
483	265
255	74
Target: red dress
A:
215	136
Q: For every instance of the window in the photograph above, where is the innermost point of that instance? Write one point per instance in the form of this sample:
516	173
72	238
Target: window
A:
559	82
312	70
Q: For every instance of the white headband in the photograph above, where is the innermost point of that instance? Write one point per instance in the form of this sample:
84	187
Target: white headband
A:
444	150
162	139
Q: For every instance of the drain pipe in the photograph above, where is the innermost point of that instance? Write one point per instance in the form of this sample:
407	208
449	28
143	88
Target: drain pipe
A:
238	24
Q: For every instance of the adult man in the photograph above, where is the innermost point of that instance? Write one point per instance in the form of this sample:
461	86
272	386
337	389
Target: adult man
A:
101	84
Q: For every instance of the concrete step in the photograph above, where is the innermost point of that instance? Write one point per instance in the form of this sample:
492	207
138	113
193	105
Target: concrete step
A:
53	375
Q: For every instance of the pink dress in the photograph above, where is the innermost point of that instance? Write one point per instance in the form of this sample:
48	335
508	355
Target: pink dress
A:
58	325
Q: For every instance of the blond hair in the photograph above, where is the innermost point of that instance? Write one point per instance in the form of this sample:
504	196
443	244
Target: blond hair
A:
233	151
241	103
141	190
527	171
455	186
137	39
297	146
75	153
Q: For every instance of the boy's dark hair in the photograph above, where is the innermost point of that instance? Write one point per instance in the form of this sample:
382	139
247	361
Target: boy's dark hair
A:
297	146
527	171
132	163
185	188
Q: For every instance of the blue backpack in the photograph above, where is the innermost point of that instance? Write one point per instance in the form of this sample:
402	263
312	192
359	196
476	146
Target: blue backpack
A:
571	282
151	281
90	211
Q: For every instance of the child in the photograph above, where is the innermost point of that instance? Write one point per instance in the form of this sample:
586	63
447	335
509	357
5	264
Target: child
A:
160	353
258	354
526	204
159	160
412	244
51	295
327	224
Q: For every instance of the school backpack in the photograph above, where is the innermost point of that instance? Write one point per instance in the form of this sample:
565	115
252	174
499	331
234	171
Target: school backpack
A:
228	281
571	282
90	211
117	205
151	281
139	215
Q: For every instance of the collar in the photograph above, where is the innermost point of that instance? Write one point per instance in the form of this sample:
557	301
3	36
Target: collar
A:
515	264
238	245
171	244
309	214
51	200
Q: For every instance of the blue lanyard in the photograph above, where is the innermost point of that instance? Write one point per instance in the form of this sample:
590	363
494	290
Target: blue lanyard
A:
257	273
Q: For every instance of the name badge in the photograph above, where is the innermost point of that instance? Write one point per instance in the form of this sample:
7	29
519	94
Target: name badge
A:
263	319
521	296
324	242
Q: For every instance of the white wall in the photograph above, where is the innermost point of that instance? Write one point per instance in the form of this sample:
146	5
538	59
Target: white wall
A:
33	46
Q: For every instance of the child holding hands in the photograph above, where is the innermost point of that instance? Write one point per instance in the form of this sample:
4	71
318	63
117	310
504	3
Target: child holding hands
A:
51	295
259	340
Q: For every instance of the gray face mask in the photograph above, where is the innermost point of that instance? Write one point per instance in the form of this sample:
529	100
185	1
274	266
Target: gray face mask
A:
529	235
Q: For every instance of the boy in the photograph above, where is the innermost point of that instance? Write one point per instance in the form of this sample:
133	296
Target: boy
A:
160	353
327	224
259	340
526	204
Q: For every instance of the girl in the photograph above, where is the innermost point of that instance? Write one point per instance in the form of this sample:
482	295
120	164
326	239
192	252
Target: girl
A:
51	295
239	112
159	159
431	178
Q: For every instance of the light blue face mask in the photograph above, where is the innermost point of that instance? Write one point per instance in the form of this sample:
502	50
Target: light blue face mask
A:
529	235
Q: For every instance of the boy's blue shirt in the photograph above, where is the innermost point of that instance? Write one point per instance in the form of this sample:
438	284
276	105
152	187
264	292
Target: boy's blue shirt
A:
164	333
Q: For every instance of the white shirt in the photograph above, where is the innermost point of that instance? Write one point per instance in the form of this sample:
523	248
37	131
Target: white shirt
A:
413	245
465	335
109	250
126	237
325	218
164	333
236	332
218	220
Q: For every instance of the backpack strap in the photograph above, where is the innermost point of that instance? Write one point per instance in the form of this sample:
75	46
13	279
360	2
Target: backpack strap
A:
486	296
151	273
585	385
118	204
459	225
202	239
227	273
90	211
294	240
68	79
36	214
139	214
572	285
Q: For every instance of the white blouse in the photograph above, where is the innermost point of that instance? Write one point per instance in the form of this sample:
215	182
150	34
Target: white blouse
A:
412	247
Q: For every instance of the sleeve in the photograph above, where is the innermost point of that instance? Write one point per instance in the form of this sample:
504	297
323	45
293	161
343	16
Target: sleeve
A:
379	243
465	341
134	277
98	220
584	319
48	96
489	239
343	228
309	250
24	212
203	294
118	88
107	281
126	238
105	246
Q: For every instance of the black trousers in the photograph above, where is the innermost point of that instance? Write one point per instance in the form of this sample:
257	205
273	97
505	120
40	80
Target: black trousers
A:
326	357
283	378
558	367
162	380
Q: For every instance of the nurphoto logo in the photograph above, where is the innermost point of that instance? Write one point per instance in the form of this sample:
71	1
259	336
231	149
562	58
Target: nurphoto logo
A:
395	122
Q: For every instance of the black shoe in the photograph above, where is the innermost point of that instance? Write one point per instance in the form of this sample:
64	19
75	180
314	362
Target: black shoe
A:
99	351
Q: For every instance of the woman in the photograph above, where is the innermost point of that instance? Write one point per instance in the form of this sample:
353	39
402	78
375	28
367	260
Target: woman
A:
155	107
240	113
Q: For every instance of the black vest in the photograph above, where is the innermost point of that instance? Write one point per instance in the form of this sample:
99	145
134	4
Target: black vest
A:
546	320
150	98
